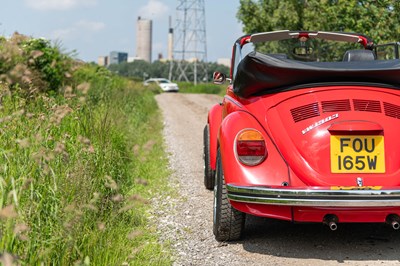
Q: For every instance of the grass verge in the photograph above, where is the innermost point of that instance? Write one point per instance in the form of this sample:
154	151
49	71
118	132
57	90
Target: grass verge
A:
77	172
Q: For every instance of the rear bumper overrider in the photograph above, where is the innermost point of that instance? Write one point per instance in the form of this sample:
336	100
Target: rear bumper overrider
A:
314	197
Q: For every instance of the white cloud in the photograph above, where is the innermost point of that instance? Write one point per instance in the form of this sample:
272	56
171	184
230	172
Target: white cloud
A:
153	10
80	29
58	4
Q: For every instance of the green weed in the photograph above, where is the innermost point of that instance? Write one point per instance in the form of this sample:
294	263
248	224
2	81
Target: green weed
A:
77	170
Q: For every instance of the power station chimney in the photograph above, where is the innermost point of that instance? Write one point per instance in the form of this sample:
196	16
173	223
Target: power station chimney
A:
170	41
144	39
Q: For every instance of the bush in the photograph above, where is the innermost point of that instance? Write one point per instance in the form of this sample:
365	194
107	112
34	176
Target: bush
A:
33	65
47	60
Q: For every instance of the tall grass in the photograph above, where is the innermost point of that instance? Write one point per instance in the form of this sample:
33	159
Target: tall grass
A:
206	88
77	169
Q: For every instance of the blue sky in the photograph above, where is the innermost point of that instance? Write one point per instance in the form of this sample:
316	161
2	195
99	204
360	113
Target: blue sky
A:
95	27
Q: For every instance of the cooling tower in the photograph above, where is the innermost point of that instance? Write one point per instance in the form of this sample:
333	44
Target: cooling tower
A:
144	39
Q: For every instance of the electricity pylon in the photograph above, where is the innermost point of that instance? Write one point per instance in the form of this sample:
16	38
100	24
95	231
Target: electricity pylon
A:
190	47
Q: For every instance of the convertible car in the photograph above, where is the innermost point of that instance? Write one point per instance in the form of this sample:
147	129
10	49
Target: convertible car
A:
308	131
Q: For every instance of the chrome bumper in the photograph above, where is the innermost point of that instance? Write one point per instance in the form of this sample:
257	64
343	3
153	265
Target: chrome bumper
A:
314	197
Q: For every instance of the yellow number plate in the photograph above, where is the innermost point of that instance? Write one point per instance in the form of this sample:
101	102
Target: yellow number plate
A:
356	188
357	154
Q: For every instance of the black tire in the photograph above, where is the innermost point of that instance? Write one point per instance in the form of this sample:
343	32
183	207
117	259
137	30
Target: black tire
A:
228	223
209	174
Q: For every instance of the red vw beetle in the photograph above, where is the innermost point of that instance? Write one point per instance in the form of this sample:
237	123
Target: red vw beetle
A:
308	131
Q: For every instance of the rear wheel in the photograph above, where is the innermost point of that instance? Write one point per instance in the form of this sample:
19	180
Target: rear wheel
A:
209	173
228	222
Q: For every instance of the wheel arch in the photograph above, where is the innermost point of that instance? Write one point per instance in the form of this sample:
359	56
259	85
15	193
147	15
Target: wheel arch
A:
272	171
214	121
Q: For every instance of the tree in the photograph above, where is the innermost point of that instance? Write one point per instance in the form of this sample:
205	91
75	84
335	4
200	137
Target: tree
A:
378	19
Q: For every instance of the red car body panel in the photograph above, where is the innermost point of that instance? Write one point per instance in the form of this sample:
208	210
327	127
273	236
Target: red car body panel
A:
214	121
306	128
273	168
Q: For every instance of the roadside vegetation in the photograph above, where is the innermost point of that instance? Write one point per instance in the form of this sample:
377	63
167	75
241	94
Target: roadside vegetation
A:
135	71
140	70
206	88
81	155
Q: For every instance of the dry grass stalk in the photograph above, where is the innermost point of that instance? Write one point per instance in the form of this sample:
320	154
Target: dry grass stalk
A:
111	183
8	212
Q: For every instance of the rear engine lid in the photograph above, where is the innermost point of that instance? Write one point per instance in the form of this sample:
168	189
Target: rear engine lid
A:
339	136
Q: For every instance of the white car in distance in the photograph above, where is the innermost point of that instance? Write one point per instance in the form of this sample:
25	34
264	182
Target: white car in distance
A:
164	84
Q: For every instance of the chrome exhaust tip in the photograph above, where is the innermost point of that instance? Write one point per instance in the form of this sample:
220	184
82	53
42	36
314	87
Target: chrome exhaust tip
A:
395	225
394	221
332	226
331	221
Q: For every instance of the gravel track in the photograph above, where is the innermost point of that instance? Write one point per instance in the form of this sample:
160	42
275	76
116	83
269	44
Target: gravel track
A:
186	220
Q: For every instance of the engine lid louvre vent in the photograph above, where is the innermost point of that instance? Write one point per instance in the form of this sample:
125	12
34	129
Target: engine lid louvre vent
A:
304	112
367	106
392	110
336	106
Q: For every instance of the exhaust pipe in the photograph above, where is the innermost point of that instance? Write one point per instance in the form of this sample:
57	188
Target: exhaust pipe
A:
394	221
332	226
395	225
331	221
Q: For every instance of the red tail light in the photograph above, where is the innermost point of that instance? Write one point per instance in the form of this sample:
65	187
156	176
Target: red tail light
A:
250	147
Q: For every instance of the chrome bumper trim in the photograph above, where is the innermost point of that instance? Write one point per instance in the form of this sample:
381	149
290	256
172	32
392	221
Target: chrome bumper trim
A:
314	197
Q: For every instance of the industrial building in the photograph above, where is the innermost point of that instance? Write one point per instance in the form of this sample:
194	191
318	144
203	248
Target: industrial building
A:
144	39
102	61
117	57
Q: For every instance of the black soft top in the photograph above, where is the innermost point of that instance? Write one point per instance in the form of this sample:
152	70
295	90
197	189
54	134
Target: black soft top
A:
259	73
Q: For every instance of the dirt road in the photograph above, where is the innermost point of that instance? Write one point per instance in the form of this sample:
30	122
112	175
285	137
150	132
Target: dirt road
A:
186	220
